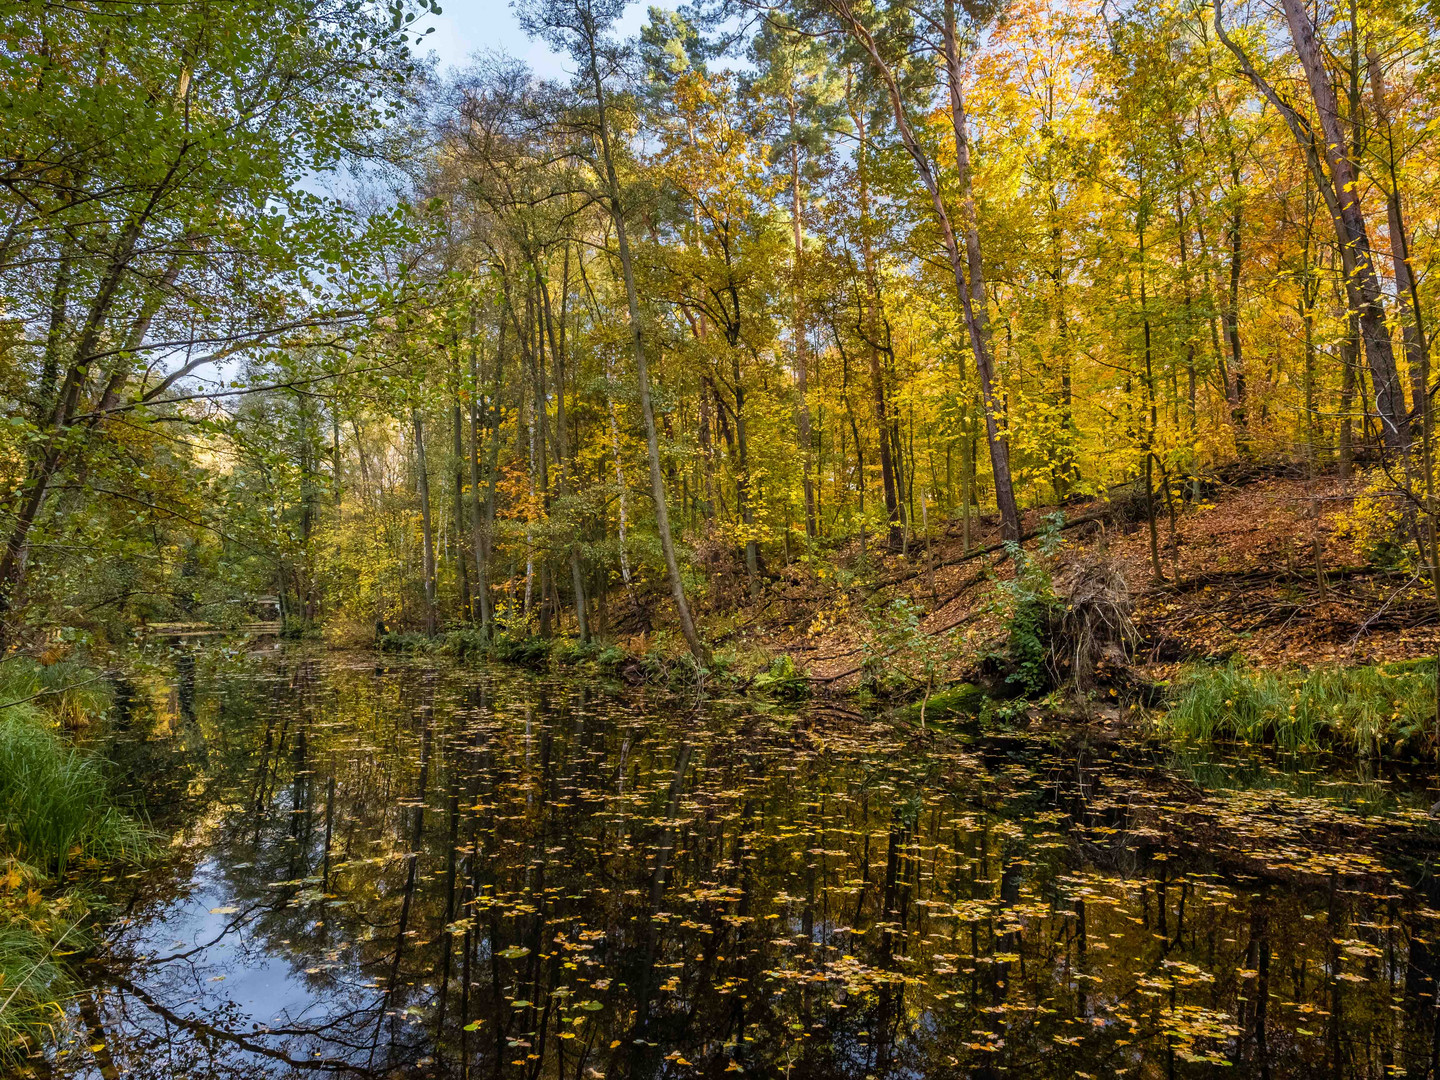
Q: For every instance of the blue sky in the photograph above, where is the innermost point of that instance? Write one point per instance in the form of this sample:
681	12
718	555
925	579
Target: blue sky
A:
466	27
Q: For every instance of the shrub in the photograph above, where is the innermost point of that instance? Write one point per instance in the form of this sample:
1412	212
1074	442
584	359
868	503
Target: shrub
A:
524	651
611	658
1375	524
405	641
466	644
1031	611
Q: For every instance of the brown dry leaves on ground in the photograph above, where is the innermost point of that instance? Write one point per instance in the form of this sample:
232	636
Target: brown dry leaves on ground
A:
1264	569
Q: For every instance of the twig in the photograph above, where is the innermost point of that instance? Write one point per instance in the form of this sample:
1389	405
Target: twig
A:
55	690
1383	608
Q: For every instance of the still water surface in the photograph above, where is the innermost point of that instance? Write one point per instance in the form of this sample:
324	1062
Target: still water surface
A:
396	869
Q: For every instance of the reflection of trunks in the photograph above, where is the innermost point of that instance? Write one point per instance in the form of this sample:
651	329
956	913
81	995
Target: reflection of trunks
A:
1422	974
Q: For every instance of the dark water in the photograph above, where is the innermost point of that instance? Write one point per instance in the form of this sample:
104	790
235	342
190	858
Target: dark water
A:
412	871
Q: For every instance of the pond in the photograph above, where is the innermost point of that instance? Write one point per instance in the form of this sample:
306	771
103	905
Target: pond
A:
391	868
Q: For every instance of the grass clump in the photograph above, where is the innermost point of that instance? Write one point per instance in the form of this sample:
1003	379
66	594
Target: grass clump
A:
68	691
55	810
36	932
1364	710
54	803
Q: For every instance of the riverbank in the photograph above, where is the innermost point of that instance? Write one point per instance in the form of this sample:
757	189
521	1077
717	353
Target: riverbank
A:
59	828
1270	583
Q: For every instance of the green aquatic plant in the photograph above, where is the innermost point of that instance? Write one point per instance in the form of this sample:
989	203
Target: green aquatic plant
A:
54	800
1366	710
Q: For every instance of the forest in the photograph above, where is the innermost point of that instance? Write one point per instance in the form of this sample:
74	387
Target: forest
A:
922	393
619	353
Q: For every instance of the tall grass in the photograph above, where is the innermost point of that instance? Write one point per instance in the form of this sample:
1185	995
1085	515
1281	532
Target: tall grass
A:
1365	710
54	807
33	985
54	800
68	691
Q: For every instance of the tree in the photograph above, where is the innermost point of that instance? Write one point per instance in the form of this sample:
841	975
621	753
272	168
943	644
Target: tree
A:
151	198
579	28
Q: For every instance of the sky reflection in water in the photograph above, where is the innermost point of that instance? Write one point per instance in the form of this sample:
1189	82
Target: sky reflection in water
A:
412	871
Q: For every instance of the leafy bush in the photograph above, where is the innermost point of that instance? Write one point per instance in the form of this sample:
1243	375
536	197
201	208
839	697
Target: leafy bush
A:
524	651
610	658
1364	709
1374	524
1031	612
466	644
405	641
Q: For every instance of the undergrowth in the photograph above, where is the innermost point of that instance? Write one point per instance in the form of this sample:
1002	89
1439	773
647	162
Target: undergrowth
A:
55	811
1364	710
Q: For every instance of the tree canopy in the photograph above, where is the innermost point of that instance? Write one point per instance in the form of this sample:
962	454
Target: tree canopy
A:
290	313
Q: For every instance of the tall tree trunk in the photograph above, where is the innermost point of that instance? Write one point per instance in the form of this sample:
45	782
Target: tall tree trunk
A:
642	373
870	320
1182	231
1328	156
1417	354
562	442
1235	368
462	573
422	486
479	544
1349	362
802	406
1150	457
972	294
744	496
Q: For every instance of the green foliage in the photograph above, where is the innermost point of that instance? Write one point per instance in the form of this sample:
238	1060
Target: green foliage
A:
405	641
1375	524
1030	609
530	651
53	798
1362	709
33	984
55	808
610	658
960	700
69	691
465	644
783	680
899	654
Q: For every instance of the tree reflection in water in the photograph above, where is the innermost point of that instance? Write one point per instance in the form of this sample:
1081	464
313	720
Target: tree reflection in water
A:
425	871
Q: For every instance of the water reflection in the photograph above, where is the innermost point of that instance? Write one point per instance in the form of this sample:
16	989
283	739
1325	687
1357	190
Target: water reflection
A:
410	871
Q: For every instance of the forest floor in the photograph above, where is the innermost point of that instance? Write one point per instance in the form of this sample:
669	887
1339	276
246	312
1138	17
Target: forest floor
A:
1266	568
